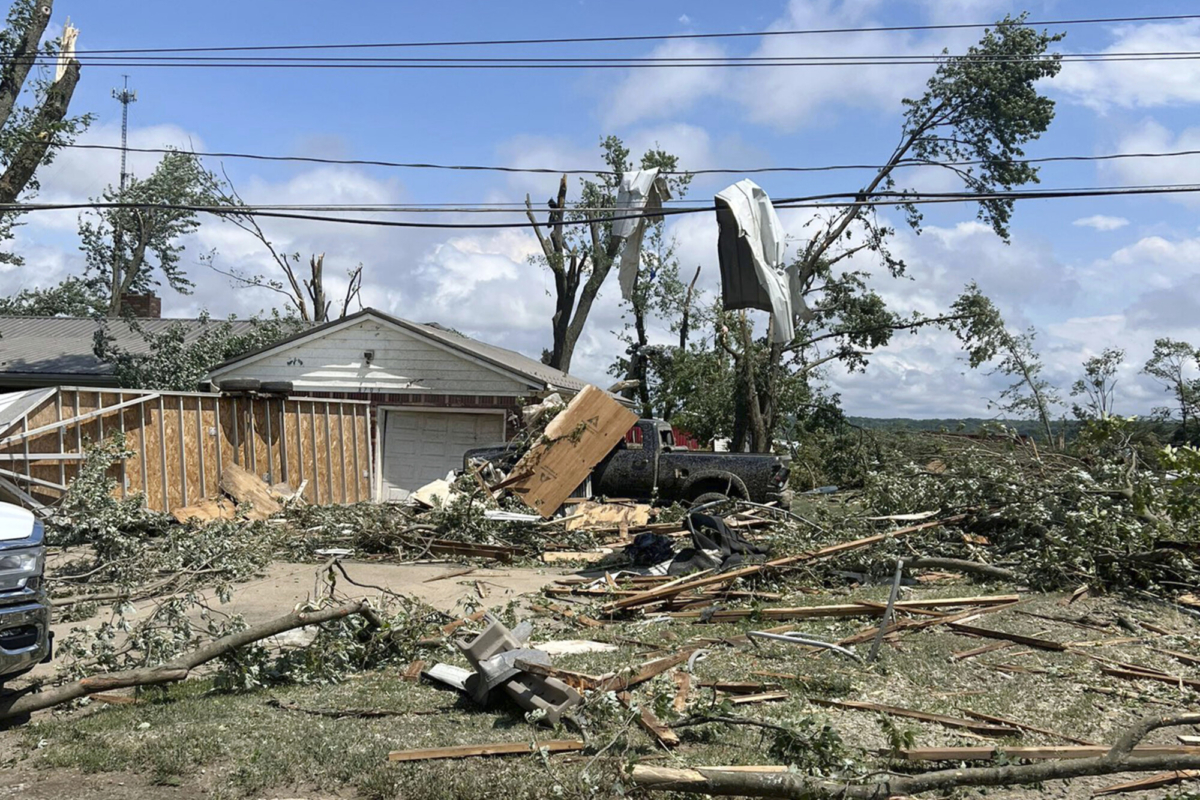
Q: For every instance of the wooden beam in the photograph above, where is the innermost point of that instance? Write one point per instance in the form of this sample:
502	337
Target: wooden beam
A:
847	609
76	420
504	749
941	719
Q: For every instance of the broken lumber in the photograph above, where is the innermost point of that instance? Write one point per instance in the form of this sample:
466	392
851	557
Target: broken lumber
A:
651	669
1025	727
978	651
762	697
448	547
650	723
249	489
591	515
846	609
1016	638
960	565
950	722
575	441
683	688
206	511
576	680
503	749
662	592
1153	782
1139	675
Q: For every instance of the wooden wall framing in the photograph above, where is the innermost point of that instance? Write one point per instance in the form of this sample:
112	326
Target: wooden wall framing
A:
181	440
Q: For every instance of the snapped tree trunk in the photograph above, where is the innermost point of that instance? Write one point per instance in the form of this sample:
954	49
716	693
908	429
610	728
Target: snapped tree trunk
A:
32	150
16	69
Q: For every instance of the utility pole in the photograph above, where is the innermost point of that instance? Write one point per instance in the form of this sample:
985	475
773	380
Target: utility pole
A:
124	97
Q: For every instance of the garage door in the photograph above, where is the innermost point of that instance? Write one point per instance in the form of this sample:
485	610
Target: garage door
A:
422	446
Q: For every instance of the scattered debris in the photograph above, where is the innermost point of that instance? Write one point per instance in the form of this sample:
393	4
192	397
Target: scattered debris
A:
502	749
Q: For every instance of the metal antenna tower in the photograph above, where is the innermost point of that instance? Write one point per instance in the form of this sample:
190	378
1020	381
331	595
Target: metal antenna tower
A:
124	97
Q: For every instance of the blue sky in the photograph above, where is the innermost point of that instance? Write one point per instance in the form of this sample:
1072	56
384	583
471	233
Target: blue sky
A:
1089	273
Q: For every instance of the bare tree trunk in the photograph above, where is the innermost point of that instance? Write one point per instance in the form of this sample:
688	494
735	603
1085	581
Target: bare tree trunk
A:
16	69
32	150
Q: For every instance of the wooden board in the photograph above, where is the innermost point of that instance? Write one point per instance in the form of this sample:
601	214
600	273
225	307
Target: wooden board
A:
575	441
590	515
1034	753
503	749
250	490
206	510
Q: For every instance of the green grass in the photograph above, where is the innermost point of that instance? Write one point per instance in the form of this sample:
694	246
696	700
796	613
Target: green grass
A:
239	745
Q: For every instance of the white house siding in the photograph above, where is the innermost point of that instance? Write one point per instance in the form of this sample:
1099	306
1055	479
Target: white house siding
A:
403	362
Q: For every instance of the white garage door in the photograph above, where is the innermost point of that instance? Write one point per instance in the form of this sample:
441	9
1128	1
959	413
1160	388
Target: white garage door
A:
422	446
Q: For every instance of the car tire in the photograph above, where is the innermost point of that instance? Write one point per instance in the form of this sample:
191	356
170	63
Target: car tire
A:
710	497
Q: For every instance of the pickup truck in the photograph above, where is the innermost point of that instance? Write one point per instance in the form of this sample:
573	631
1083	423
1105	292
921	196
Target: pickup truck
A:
648	465
24	609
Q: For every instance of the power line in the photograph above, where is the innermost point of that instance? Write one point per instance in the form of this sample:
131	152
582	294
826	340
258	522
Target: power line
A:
553	171
628	65
641	38
812	202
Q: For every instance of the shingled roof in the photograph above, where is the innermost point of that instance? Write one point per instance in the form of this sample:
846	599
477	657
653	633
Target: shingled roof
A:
48	351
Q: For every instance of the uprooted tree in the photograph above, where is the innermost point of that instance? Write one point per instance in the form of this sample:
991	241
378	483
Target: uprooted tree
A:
31	135
978	111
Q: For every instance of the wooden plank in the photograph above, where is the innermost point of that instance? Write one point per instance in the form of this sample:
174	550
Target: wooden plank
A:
1186	658
978	651
77	419
413	673
1034	753
683	688
575	441
1026	641
762	697
358	496
341	449
503	749
669	590
650	723
1025	727
847	609
582	619
315	480
206	510
576	680
923	716
1137	675
1152	782
249	489
635	675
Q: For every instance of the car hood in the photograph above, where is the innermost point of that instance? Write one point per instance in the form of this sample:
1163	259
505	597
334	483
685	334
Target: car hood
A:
15	522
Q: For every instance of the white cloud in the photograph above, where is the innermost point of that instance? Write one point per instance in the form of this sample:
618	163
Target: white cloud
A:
657	92
1103	85
1150	136
1101	222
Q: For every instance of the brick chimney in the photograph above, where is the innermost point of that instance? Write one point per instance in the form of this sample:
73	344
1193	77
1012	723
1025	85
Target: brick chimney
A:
146	306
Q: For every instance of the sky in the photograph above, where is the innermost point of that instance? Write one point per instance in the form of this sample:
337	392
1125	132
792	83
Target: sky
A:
1087	273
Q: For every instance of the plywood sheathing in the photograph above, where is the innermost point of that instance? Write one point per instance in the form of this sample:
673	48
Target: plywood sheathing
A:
182	441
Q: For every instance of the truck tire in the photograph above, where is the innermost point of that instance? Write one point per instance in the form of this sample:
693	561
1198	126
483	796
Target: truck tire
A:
710	497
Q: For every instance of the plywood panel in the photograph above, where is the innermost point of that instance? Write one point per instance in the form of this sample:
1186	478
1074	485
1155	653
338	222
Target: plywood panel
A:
190	441
135	473
289	445
227	431
341	454
324	462
152	435
308	443
209	445
171	438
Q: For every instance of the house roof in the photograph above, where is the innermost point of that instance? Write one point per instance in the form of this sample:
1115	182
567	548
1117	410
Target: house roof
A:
47	350
509	360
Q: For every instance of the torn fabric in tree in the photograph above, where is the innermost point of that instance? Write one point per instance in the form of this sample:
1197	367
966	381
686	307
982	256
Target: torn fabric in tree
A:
641	192
750	248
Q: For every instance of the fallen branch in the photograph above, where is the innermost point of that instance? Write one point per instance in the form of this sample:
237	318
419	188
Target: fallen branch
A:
1122	757
960	565
179	668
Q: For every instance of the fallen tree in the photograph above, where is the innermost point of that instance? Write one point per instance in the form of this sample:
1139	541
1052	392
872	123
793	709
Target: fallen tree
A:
796	786
179	668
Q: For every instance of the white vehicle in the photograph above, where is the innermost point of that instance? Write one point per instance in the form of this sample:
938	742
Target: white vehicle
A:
25	637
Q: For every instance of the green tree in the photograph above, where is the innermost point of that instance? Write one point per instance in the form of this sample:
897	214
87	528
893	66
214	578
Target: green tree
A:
580	256
977	113
31	135
134	247
178	358
74	297
1171	364
1097	385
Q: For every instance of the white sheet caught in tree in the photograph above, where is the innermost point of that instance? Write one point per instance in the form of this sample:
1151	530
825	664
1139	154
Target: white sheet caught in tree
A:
641	192
750	250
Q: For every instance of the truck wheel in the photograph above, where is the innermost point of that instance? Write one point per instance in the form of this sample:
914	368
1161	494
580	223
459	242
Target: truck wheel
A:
710	497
